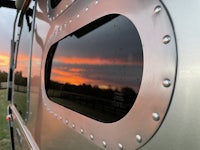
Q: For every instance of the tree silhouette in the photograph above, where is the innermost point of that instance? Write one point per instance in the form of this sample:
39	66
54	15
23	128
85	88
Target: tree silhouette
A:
3	76
19	79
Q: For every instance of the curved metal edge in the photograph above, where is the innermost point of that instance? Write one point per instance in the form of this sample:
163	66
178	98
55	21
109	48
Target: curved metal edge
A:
49	105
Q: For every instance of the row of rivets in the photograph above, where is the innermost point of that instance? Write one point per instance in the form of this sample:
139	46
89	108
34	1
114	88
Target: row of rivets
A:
59	29
66	6
166	38
73	125
61	11
166	83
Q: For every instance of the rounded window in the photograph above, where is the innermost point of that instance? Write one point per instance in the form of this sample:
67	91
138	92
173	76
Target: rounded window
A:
97	70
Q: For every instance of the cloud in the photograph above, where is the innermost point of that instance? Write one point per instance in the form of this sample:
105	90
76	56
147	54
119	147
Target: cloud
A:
109	56
118	38
4	61
94	61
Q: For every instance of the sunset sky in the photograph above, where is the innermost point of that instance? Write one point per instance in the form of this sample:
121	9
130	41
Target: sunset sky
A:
6	27
109	56
107	59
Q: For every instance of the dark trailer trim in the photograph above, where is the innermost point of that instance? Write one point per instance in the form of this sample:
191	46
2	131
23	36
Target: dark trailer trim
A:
7	4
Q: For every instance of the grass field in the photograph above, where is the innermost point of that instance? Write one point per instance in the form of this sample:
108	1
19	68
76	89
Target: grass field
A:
4	130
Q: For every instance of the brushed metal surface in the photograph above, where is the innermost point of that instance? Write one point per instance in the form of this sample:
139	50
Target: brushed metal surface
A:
145	127
159	65
180	129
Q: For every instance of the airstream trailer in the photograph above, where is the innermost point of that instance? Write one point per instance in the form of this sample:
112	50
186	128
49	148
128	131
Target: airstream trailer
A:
105	74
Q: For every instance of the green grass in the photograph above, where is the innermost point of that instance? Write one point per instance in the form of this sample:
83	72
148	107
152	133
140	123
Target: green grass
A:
4	129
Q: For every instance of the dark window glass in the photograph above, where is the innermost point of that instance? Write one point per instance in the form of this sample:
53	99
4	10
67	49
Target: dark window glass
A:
97	70
21	101
54	3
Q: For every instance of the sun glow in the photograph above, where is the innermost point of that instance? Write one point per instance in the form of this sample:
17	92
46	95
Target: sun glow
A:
4	61
68	77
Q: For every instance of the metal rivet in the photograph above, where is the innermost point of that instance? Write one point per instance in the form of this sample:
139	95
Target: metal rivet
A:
91	137
66	6
138	138
166	39
156	116
82	131
61	11
72	1
96	2
60	29
73	126
120	146
60	118
70	21
66	121
86	9
166	83
157	9
78	16
104	143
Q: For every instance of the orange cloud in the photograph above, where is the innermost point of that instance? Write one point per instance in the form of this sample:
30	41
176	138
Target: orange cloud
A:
94	61
4	61
68	77
23	57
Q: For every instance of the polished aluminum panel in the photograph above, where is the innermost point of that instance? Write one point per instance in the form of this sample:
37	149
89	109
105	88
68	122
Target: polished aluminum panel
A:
23	138
57	10
97	70
180	129
148	112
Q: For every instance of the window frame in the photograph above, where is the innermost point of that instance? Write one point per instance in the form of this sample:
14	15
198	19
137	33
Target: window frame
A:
140	124
118	107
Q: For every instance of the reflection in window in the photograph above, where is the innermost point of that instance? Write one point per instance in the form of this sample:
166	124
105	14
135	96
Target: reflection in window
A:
20	94
97	70
21	72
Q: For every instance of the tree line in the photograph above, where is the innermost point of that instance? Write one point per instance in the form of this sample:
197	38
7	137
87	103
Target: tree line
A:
3	76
